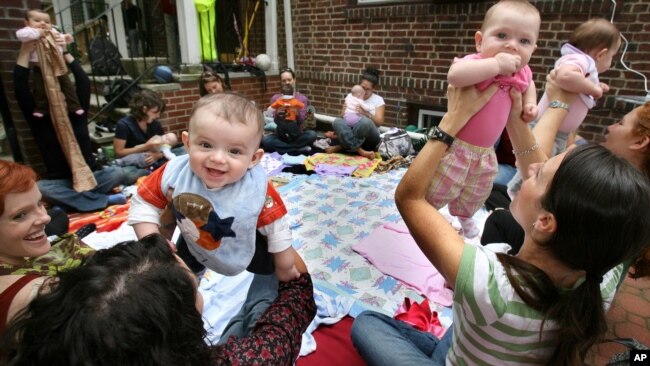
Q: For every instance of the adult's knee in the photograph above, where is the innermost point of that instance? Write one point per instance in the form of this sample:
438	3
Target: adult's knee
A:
309	135
338	123
363	325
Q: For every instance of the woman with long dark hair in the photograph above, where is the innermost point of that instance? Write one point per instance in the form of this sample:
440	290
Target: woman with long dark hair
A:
583	213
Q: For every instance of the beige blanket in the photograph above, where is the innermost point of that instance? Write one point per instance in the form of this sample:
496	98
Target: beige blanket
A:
52	65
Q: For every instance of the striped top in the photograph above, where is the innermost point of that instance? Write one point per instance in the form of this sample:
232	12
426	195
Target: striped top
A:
493	326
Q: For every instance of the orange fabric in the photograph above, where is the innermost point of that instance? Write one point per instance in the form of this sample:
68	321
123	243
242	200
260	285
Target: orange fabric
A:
290	105
108	219
151	188
273	208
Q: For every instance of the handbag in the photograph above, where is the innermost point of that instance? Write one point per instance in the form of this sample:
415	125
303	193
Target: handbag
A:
635	348
394	142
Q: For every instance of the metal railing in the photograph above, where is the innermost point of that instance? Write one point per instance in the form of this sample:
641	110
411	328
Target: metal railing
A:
101	38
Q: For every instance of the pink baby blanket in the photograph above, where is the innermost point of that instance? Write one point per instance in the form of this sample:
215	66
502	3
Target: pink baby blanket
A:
391	248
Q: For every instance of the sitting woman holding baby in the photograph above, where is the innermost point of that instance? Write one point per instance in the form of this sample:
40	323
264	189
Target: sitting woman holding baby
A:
140	141
361	137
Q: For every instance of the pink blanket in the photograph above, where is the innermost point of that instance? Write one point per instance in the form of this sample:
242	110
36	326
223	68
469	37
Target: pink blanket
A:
393	251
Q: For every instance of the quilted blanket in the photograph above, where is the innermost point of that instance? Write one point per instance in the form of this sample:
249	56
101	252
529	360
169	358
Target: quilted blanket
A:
330	214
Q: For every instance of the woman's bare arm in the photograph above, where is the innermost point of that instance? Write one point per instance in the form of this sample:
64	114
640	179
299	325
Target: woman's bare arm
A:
438	240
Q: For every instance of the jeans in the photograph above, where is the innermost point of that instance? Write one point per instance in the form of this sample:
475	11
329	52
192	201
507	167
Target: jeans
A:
261	294
364	134
134	43
273	143
382	340
131	174
60	191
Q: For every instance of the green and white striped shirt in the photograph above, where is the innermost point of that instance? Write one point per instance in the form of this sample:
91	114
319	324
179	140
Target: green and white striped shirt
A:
492	325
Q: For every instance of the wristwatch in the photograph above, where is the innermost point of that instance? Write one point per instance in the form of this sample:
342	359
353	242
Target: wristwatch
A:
558	104
436	133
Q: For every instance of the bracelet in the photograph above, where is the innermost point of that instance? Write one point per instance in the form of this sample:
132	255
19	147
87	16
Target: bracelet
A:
66	53
527	151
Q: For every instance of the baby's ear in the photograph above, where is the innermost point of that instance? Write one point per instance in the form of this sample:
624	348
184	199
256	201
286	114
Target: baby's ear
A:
601	53
185	136
257	157
478	38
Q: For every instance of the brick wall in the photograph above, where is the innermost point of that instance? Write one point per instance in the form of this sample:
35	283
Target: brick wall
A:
180	102
12	18
413	45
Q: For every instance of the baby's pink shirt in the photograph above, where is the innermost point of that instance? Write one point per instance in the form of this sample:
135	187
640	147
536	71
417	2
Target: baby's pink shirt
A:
27	34
485	127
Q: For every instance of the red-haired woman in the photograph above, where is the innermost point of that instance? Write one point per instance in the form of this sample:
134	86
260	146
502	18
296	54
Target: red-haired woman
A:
26	255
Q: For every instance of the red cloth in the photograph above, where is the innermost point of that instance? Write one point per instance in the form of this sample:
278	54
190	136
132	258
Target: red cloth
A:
7	297
334	346
420	317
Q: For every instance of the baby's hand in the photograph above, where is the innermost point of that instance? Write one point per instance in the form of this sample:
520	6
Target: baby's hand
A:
604	88
507	63
599	90
68	38
286	275
529	112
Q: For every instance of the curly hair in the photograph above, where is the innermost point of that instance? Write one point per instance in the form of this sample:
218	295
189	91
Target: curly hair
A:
642	128
592	196
14	178
641	266
132	304
143	101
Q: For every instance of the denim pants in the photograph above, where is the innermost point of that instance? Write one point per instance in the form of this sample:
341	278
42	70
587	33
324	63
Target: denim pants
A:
364	134
261	294
60	191
273	143
506	172
382	340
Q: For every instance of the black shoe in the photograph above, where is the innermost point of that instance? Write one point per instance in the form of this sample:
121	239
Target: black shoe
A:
85	230
106	125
